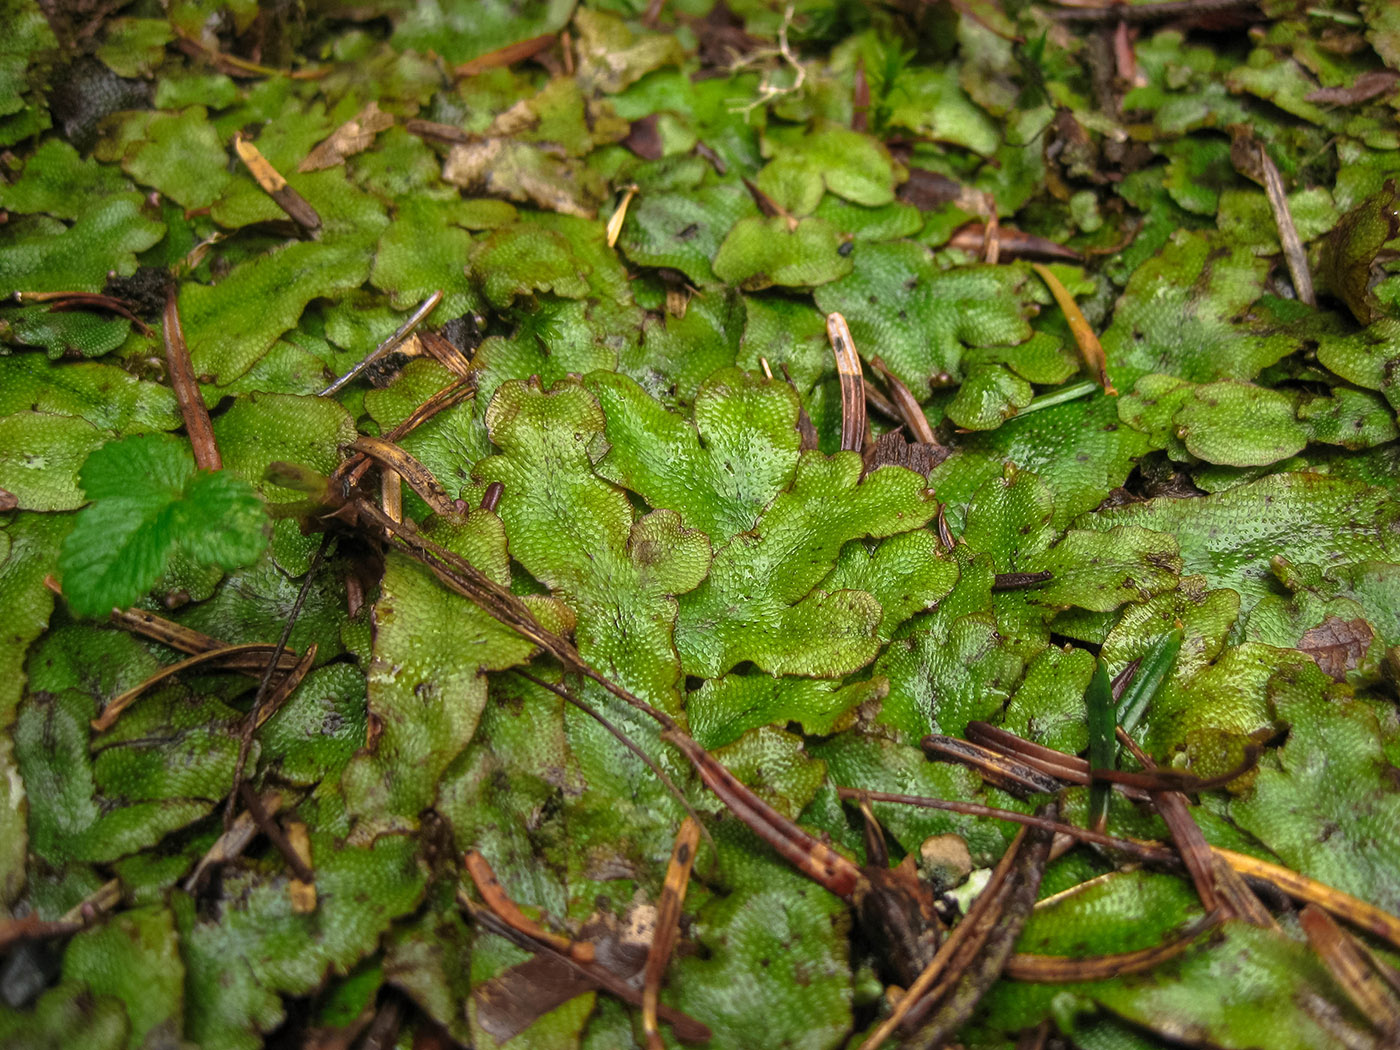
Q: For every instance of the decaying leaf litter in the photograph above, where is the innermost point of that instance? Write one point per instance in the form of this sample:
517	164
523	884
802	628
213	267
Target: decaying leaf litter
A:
577	668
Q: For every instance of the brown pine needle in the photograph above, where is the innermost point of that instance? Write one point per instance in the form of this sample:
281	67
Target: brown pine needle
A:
852	383
296	206
1056	969
911	413
182	380
399	463
113	710
1084	336
504	56
1353	970
668	914
286	686
505	909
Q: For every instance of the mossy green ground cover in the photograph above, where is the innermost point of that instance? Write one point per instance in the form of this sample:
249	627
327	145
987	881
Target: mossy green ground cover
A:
655	434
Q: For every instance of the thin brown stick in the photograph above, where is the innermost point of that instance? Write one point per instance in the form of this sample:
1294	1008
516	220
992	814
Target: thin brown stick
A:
625	741
504	56
65	301
232	842
668	915
286	686
1365	917
1132	847
1353	971
353	468
969	930
182	380
685	1027
911	413
420	479
990	945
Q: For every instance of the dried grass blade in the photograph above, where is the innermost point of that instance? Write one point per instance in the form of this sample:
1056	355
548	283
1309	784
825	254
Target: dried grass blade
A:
505	56
911	413
1088	342
233	841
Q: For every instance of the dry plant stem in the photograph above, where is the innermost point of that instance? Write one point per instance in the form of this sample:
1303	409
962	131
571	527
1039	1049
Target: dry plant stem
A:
83	914
991	240
275	186
767	90
1363	916
1138	850
668	915
1084	336
269	827
241	67
852	383
114	709
505	909
187	640
1353	970
807	854
1055	969
972	931
388	346
64	301
182	380
1293	253
250	723
446	353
